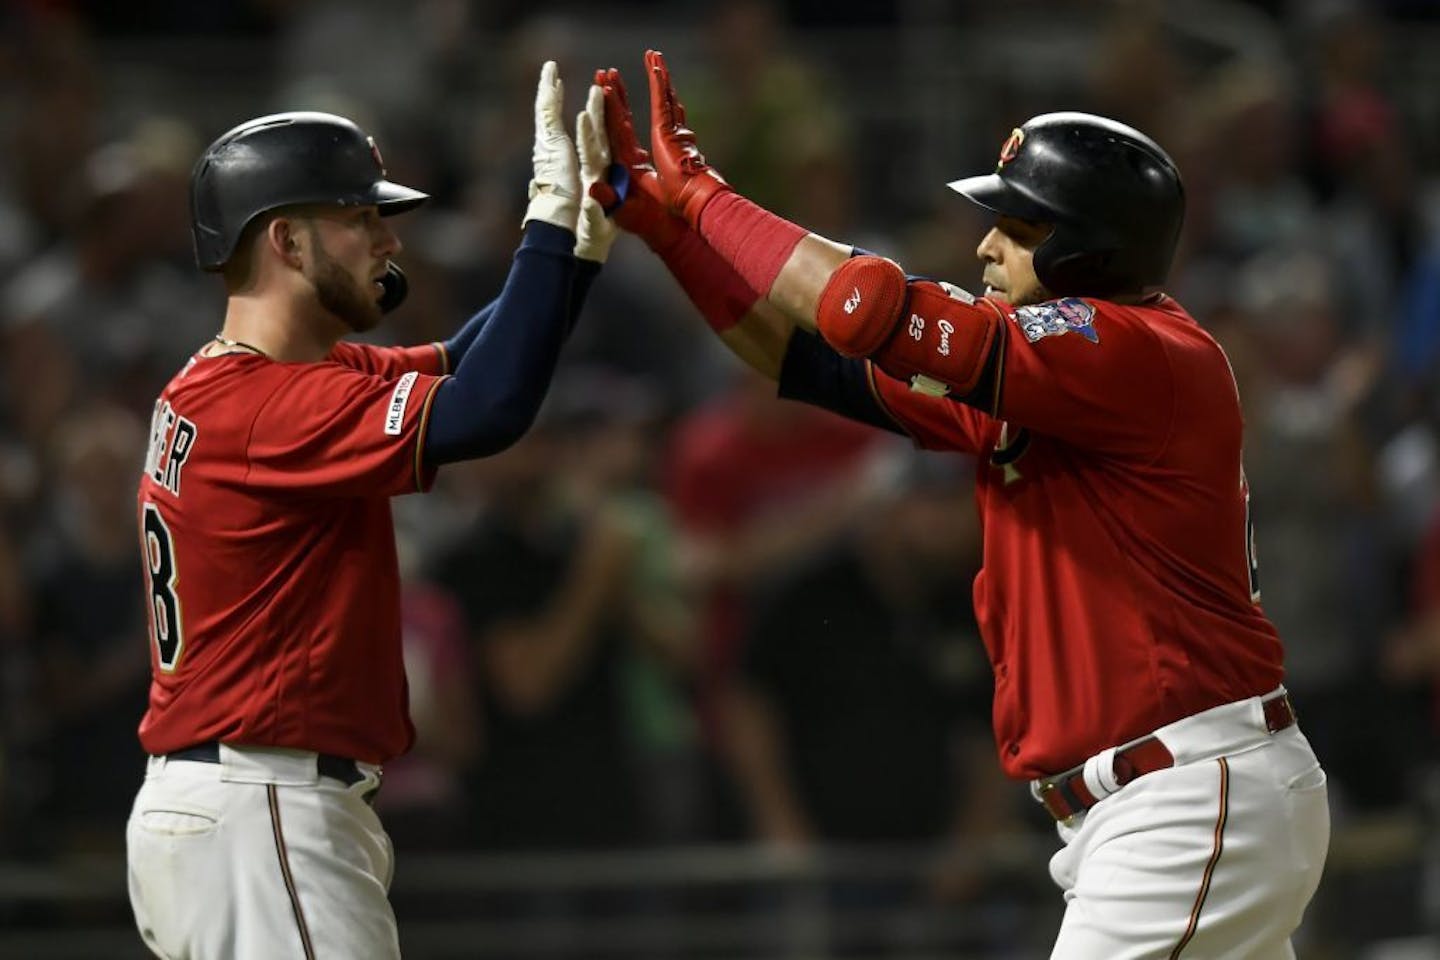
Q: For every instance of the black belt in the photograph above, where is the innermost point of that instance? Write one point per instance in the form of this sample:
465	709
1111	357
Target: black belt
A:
346	771
1066	795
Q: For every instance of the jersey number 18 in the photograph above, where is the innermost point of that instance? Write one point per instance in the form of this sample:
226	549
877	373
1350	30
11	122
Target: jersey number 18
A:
160	576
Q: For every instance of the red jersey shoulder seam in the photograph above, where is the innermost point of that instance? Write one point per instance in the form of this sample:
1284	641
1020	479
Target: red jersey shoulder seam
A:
250	435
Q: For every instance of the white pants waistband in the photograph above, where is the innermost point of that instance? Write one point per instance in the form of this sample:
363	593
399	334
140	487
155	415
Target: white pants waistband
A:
1227	729
280	766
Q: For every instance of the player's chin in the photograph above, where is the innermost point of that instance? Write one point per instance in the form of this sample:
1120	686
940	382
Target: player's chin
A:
365	313
1022	298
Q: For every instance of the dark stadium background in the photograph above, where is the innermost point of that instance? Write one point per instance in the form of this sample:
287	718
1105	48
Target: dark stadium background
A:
1309	136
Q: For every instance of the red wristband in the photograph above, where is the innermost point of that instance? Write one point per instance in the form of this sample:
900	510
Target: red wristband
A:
750	237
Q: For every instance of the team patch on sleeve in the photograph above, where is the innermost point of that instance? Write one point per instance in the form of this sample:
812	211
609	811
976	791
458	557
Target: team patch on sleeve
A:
395	412
1055	318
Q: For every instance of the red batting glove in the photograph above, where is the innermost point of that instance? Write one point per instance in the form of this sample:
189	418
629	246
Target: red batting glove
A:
632	195
688	181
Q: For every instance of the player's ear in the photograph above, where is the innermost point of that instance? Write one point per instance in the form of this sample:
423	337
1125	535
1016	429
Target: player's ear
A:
281	237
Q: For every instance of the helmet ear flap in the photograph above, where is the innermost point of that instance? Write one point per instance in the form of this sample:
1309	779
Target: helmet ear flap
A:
1090	273
1070	274
396	287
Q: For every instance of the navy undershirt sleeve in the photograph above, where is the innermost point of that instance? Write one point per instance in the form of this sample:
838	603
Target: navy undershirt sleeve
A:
812	372
497	387
585	273
460	342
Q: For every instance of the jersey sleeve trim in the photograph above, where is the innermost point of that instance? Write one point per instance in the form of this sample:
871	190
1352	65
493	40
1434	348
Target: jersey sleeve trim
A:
421	430
444	358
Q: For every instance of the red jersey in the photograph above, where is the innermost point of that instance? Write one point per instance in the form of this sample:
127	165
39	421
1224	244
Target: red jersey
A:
1118	589
270	552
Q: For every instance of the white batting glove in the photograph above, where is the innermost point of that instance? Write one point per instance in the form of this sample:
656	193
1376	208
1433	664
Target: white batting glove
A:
594	232
555	189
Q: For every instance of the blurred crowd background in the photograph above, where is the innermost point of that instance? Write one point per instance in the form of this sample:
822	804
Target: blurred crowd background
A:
693	669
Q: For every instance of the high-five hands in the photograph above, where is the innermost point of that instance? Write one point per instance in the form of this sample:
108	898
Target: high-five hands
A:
631	194
555	188
659	195
645	190
689	182
610	172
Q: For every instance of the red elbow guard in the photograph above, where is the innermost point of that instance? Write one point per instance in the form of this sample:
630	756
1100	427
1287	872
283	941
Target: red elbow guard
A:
919	331
861	305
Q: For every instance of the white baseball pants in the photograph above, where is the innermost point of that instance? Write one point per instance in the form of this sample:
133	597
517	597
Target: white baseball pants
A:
259	857
1214	858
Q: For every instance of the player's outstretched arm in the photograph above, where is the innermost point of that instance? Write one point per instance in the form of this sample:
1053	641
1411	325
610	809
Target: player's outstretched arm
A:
787	264
498	385
631	195
557	196
858	304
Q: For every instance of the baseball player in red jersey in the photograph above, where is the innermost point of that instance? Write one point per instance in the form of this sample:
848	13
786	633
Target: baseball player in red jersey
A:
1137	681
269	556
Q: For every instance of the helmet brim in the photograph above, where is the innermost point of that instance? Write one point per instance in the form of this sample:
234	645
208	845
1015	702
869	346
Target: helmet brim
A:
392	198
999	196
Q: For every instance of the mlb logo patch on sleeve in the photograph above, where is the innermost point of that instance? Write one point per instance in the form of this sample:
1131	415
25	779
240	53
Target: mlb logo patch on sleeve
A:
1056	318
395	412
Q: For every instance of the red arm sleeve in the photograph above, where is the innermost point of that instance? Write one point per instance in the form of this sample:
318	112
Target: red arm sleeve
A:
331	430
426	358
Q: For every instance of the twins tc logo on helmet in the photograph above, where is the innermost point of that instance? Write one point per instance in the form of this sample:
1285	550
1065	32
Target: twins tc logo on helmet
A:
1056	318
1010	149
375	154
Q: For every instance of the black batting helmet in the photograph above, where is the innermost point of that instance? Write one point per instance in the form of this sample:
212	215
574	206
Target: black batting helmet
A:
1113	194
280	160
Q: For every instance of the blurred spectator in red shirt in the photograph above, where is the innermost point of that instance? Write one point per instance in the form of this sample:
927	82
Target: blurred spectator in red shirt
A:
756	484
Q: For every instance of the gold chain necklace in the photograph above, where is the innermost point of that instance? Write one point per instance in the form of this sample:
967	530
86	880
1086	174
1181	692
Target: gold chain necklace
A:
226	341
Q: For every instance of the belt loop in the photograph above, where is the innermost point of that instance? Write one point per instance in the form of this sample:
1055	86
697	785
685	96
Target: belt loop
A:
1278	712
1099	773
